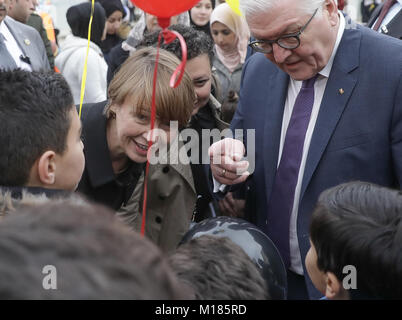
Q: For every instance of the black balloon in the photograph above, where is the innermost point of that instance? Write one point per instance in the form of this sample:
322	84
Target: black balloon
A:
254	242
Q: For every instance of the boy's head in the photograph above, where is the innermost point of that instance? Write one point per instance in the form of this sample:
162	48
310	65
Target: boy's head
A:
356	242
40	132
83	252
218	269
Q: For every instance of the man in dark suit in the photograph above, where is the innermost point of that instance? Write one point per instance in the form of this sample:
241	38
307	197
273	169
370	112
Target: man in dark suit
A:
20	45
323	114
387	18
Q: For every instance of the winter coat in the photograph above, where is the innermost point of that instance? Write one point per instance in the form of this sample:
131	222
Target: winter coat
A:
11	198
70	61
171	200
227	80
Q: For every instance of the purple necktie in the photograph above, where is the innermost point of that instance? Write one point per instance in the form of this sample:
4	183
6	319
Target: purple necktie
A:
387	5
283	192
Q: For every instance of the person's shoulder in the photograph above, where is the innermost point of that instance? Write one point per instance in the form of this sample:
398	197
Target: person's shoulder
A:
21	27
258	60
379	43
35	21
118	55
89	110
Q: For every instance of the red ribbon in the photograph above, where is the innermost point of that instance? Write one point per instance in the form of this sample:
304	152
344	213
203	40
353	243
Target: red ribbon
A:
175	80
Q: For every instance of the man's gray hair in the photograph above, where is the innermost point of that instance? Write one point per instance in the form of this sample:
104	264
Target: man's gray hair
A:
250	8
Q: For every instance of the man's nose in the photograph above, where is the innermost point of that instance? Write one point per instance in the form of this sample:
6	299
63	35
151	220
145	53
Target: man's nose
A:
280	54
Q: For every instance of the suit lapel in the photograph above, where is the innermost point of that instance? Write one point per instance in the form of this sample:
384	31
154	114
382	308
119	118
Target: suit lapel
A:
339	88
276	97
394	27
21	39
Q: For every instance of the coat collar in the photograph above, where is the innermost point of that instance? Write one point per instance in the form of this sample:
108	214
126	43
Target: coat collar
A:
97	156
22	40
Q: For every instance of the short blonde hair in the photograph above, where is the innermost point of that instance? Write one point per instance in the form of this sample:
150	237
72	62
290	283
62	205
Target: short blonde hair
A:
134	80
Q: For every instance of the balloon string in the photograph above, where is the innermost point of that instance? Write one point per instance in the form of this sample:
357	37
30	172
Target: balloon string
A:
175	80
153	116
84	73
169	36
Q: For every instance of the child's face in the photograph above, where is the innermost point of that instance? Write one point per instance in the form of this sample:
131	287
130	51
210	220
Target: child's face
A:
70	165
133	132
316	275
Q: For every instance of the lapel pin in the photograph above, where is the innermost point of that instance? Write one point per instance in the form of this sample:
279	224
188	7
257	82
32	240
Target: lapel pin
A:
27	42
341	91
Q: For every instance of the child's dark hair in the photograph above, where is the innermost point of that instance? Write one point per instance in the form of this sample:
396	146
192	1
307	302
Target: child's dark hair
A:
94	254
218	269
198	42
360	224
34	117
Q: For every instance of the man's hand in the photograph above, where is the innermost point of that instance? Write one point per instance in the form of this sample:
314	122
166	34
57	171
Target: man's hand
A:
227	165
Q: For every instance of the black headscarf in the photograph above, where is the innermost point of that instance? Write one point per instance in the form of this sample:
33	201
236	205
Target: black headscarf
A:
204	28
78	18
111	6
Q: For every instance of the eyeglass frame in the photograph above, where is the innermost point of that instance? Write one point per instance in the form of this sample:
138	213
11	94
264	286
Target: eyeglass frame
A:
291	35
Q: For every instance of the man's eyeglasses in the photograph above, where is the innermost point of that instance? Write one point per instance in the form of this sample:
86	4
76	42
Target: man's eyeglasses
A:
288	41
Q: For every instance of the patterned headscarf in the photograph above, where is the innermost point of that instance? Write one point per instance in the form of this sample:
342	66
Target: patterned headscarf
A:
137	33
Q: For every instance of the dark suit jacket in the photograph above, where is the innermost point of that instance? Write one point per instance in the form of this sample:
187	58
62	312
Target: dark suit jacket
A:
357	136
30	43
393	28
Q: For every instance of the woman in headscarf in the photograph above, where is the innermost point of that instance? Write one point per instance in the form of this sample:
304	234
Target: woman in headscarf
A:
71	58
200	15
147	23
230	34
114	16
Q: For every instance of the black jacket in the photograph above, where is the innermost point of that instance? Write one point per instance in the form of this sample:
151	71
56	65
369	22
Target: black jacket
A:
393	28
99	182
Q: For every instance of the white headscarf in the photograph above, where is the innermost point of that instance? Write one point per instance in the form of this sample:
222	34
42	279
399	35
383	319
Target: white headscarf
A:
224	14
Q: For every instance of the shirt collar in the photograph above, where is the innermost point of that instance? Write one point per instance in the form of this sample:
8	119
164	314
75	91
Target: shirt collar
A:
4	30
327	69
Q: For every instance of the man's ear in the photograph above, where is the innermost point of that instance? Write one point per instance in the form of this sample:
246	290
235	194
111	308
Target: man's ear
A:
333	286
47	168
332	9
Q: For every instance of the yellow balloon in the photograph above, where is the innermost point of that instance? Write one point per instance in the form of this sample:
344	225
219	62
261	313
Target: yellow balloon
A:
234	4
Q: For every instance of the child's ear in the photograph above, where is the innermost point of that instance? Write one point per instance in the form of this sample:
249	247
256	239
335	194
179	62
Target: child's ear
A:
333	286
47	168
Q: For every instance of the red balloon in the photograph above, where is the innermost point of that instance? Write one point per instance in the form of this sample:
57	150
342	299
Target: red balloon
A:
165	8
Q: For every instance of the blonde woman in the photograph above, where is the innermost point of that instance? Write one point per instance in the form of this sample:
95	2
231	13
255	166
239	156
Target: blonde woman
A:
116	135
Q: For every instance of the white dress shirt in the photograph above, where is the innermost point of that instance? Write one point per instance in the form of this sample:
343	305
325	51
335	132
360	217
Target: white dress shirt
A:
393	11
13	47
293	90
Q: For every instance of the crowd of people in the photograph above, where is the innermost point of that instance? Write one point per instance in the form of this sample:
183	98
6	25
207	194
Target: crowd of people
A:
119	188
